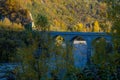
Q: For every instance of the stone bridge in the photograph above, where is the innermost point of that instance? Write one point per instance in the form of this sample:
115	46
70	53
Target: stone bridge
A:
89	37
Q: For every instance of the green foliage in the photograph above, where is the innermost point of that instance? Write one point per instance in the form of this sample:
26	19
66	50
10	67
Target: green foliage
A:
104	65
42	22
52	59
26	58
11	39
108	63
8	45
114	17
100	54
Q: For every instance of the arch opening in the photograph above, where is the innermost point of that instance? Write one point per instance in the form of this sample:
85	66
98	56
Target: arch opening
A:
102	49
59	48
79	51
101	44
79	40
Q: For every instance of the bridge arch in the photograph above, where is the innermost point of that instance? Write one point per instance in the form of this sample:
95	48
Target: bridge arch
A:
79	51
102	40
99	37
78	37
89	37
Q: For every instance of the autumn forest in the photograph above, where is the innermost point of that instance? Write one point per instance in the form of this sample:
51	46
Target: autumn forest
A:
27	51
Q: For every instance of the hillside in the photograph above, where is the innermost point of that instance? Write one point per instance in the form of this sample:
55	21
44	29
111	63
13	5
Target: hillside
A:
69	15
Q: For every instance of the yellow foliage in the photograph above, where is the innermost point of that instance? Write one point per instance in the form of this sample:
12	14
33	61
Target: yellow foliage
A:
79	27
59	40
57	23
59	26
6	24
63	27
96	27
60	13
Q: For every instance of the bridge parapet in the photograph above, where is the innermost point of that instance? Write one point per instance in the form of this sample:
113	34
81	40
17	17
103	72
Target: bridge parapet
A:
85	35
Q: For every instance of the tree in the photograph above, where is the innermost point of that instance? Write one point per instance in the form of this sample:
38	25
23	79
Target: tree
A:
96	27
100	54
110	63
114	17
42	22
79	27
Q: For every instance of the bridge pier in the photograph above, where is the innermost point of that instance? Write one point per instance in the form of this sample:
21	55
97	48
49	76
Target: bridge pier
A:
89	52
